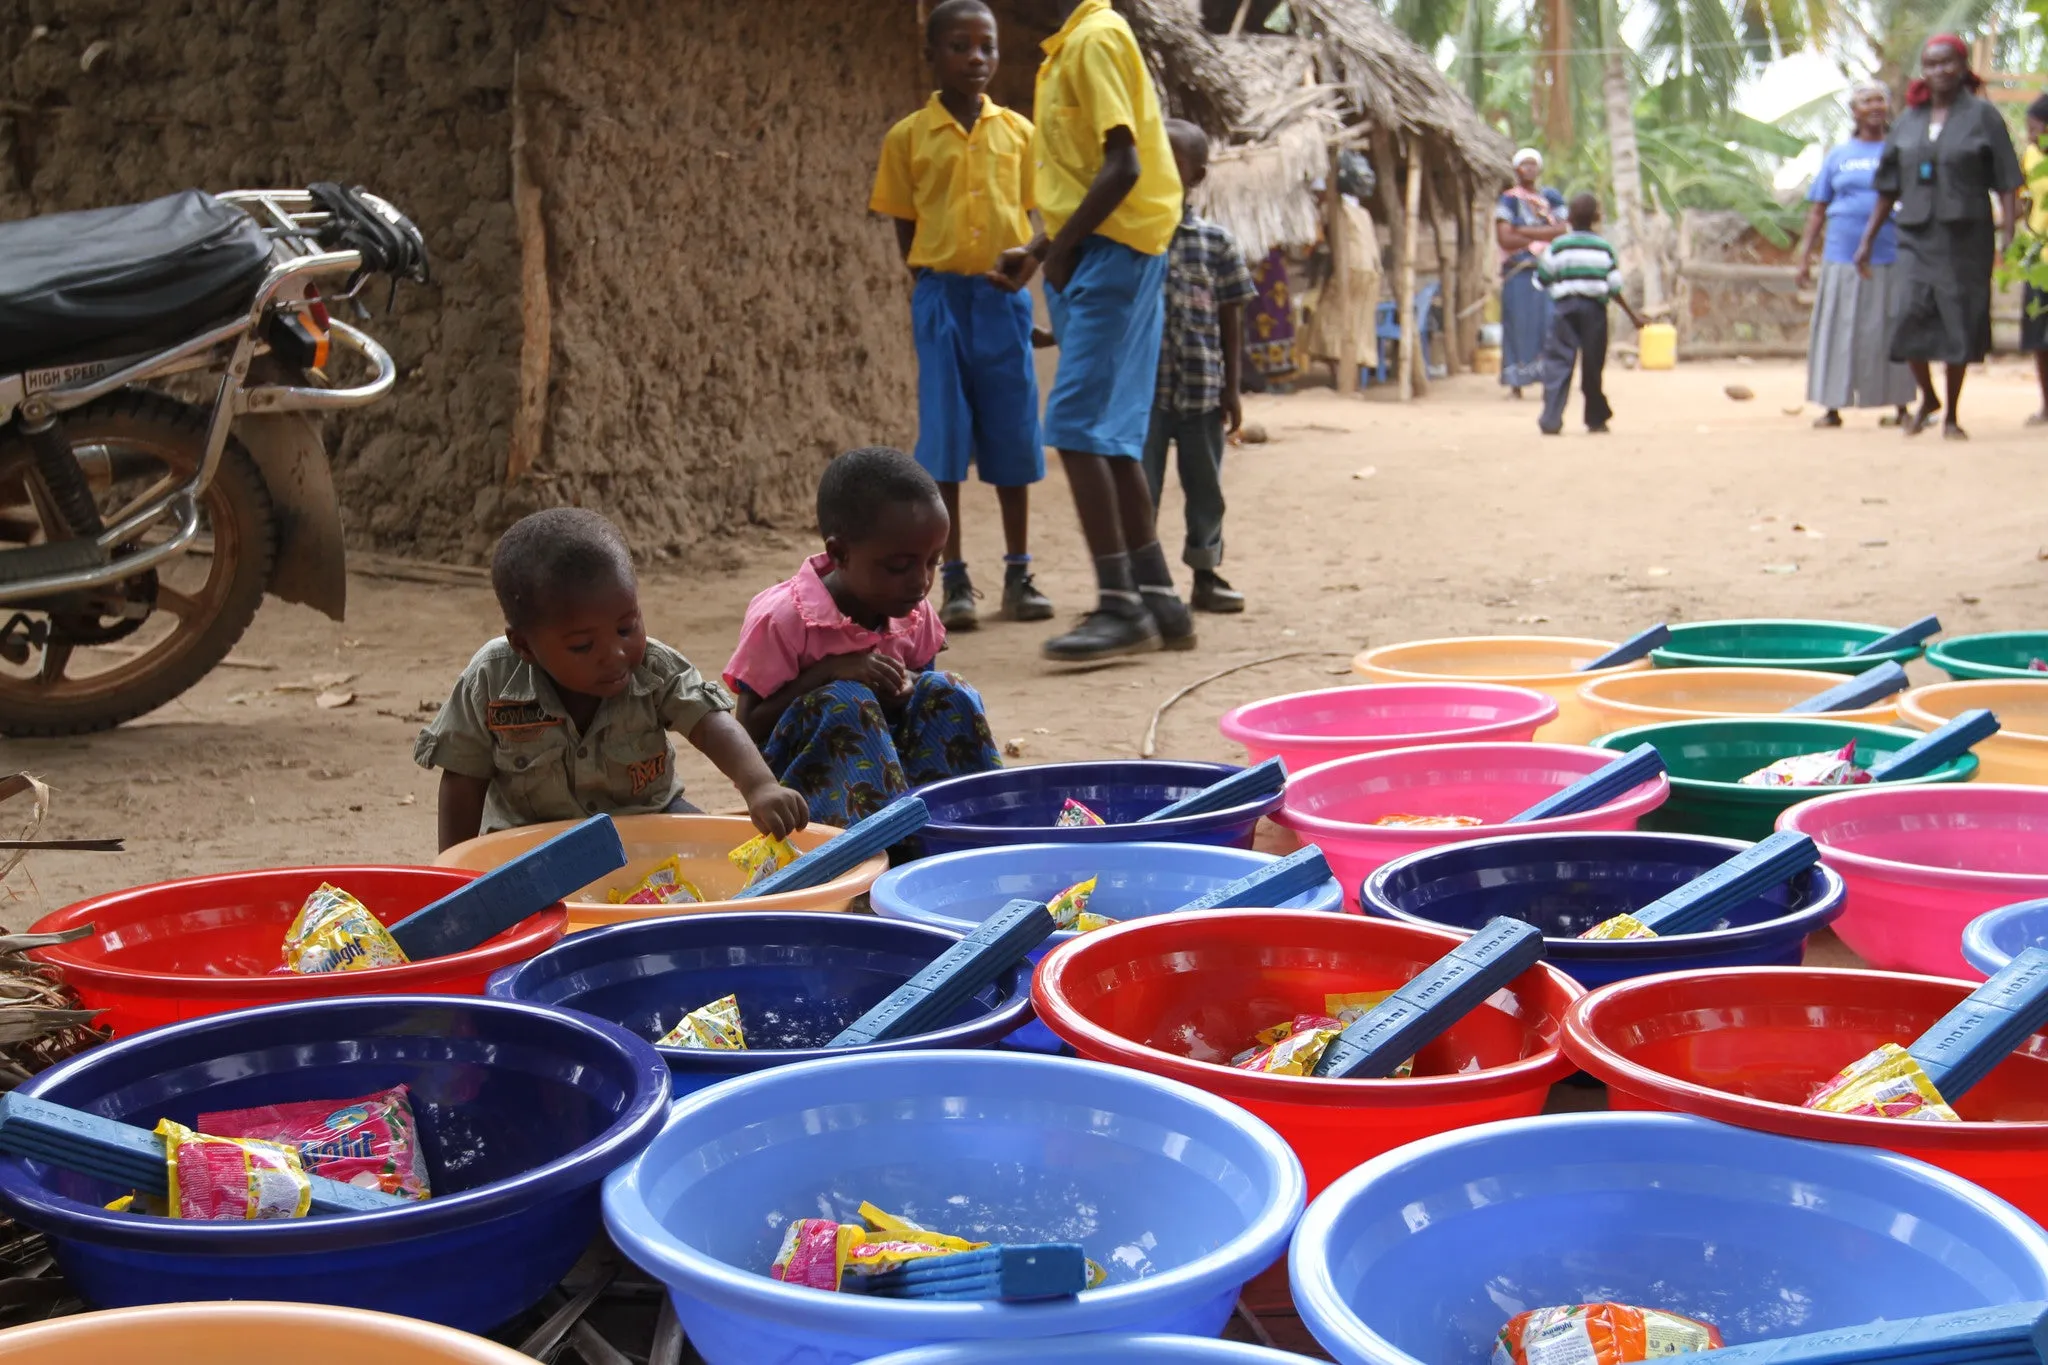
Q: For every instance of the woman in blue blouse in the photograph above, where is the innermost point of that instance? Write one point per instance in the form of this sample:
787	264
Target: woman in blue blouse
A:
1525	221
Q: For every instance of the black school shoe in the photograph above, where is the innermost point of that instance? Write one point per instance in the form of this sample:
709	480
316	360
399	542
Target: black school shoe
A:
1105	633
1022	601
1170	614
1213	593
956	607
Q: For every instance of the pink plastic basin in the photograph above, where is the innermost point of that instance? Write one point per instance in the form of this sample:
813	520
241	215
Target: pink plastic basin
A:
1333	806
1307	728
1747	1046
1178	995
1922	862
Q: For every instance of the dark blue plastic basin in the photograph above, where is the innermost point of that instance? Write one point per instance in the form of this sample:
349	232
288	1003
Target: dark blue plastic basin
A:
1564	884
800	979
523	1111
1019	805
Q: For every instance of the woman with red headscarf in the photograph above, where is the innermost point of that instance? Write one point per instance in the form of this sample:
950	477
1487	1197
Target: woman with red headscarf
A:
1944	159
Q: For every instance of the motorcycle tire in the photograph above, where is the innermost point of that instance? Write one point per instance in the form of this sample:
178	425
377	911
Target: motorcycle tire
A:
236	509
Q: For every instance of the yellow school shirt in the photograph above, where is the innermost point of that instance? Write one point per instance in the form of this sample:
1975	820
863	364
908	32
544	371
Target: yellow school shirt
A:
1094	79
2031	158
967	192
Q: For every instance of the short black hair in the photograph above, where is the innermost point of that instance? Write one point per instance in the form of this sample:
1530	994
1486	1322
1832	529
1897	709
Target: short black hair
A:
947	13
1188	140
549	556
1584	210
858	485
2038	110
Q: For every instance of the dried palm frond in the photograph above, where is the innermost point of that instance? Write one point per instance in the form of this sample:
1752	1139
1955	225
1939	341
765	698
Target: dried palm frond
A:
1260	191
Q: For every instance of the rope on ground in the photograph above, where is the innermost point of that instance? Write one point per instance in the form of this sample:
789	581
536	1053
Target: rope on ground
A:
1149	748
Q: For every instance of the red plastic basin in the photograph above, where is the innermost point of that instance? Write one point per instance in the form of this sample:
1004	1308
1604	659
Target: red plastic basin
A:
1747	1046
1156	994
201	945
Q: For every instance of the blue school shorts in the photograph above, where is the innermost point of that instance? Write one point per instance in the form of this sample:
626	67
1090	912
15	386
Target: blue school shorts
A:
977	393
1108	320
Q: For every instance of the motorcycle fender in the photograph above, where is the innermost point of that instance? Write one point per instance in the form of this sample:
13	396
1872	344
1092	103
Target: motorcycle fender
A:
311	565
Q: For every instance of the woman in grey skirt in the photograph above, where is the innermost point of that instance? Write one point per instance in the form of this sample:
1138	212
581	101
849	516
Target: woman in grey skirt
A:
1848	364
1946	156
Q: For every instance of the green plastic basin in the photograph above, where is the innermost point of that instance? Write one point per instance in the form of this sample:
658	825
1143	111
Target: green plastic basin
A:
1823	645
2001	654
1708	758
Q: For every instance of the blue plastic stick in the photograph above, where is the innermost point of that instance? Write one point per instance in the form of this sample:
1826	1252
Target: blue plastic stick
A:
1905	637
1435	998
508	893
1250	784
122	1154
1701	902
1297	874
930	998
1597	788
1978	1336
1043	1270
1967	1042
1937	747
1870	686
1635	647
846	850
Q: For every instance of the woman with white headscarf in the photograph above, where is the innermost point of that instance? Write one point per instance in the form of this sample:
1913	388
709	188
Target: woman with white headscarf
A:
1525	221
1848	353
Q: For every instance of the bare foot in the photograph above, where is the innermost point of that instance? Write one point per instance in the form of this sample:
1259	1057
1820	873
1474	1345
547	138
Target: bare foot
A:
1920	420
1953	431
2038	419
1830	418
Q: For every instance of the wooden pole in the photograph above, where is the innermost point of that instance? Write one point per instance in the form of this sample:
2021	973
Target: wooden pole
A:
1384	165
1683	320
1447	281
1337	301
1470	291
1414	375
536	325
1237	24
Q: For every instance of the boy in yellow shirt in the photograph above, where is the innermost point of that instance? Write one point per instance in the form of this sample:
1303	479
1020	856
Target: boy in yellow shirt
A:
1111	201
957	178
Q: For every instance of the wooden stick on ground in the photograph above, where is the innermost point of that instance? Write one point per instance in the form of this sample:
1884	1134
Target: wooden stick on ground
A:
1149	747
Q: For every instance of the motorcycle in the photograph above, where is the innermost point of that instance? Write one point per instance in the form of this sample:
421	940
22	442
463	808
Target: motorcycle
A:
160	470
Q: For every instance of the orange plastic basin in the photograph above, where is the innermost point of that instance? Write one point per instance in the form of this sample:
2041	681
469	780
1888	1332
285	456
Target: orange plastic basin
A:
1550	664
702	841
246	1334
1623	701
2019	751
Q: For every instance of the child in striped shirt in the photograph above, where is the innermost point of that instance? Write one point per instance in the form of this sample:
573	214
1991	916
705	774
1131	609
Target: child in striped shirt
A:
1582	274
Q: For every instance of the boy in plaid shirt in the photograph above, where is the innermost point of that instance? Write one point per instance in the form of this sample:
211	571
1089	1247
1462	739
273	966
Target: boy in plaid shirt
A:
1200	355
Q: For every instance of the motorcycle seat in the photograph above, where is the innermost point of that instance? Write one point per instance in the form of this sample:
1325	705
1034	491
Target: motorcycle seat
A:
108	282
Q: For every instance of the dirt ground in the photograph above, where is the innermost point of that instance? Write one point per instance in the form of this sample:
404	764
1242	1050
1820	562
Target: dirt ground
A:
1361	522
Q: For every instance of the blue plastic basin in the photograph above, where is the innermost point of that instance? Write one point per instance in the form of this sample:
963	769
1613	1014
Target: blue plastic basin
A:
1013	805
800	979
1564	884
1420	1256
957	891
1103	1350
523	1110
1993	939
1182	1197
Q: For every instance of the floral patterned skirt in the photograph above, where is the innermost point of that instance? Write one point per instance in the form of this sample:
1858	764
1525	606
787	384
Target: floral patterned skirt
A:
840	749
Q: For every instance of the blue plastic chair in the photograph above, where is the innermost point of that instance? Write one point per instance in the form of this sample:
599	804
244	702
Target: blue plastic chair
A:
1387	327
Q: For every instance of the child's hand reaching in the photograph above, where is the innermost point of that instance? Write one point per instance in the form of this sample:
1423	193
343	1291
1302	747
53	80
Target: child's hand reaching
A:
776	810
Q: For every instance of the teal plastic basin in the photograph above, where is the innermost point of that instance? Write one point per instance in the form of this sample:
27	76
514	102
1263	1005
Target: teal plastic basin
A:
1823	645
2000	654
1707	759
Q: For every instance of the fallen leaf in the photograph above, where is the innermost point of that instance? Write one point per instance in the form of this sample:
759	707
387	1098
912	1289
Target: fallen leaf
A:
1366	472
1532	620
1793	412
242	698
355	807
406	800
1971	598
328	681
334	699
1873	544
1013	748
1658	571
1040	730
1781	568
1741	393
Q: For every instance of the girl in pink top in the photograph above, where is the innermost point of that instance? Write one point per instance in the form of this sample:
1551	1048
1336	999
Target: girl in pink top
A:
835	667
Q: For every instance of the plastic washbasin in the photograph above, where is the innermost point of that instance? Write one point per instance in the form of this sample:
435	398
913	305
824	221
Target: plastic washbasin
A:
1420	1256
1995	938
701	841
1117	1349
1552	664
1707	760
1747	1047
1823	646
184	949
1019	805
1333	806
1668	694
522	1110
2003	654
1183	1197
2019	751
1564	884
800	978
958	891
1307	728
1179	996
246	1334
1922	862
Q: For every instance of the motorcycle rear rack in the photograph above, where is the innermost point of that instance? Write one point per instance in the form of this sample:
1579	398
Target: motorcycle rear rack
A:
70	566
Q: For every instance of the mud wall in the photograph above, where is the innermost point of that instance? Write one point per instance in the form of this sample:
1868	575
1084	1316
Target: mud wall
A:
725	315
